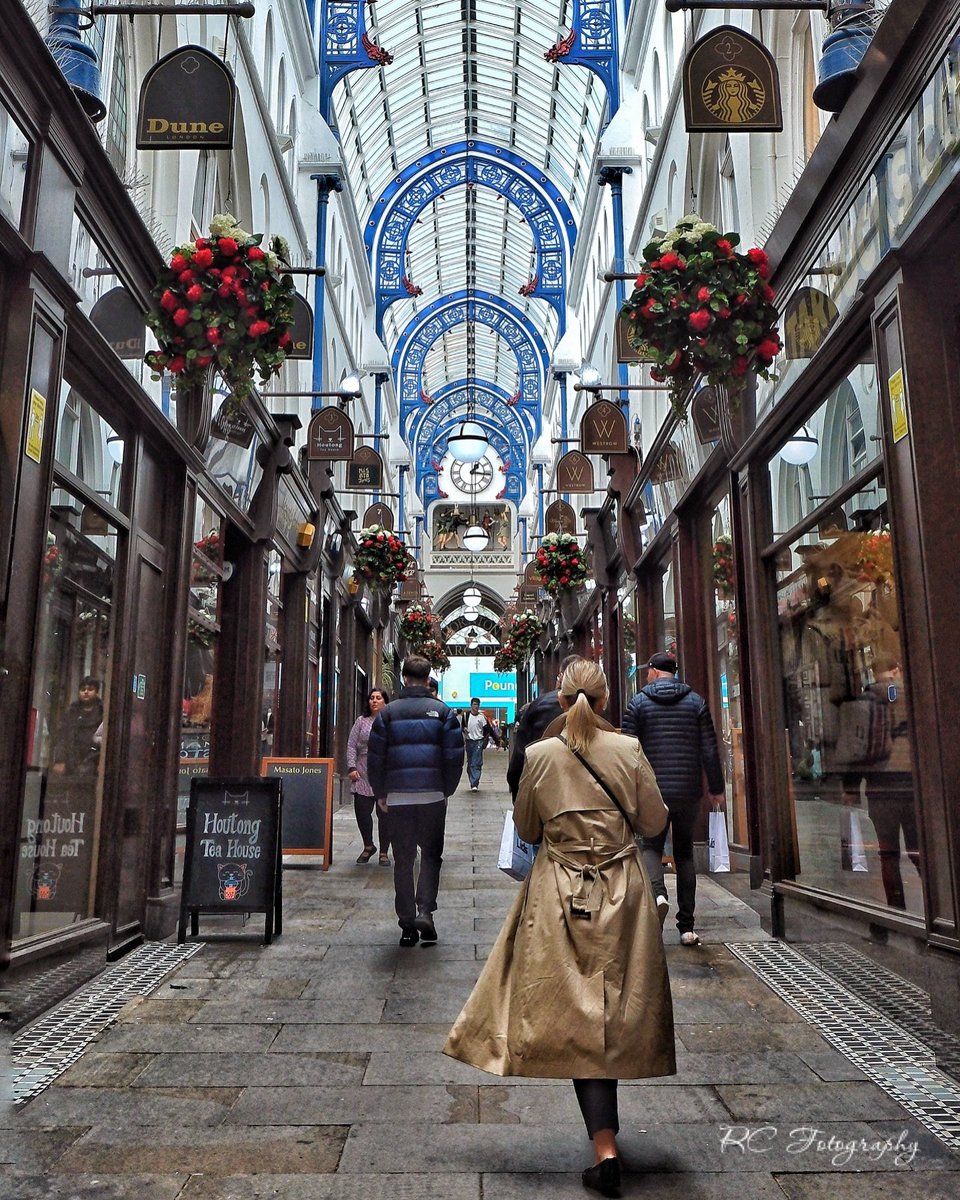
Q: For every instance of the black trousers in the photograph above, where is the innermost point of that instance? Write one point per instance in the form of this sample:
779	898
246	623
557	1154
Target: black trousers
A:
363	807
413	825
683	818
598	1104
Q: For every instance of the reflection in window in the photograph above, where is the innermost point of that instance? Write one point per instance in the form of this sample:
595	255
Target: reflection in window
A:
848	733
69	727
14	158
726	704
119	106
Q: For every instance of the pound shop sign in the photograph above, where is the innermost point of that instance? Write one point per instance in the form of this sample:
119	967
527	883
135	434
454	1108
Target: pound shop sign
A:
499	688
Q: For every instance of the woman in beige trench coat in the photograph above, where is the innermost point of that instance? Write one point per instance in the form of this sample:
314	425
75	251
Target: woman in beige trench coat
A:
576	985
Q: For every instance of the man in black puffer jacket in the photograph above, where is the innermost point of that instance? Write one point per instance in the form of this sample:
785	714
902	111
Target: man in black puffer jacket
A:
414	762
677	735
532	721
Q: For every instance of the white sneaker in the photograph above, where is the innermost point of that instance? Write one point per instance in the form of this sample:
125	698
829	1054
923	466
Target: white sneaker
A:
663	907
689	938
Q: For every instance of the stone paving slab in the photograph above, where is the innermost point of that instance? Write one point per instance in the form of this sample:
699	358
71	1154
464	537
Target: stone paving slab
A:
686	1186
187	1039
348	1105
97	1069
265	988
433	1066
727	1038
245	1010
806	1104
94	1187
406	1039
222	1151
120	1107
551	1103
253	1071
334	1187
656	1149
930	1185
34	1150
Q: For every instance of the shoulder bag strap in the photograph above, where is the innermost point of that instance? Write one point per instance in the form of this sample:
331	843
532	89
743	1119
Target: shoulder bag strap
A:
604	785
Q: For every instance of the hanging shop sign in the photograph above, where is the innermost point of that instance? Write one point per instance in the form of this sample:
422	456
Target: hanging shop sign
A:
603	429
188	101
559	518
575	473
705	411
301	333
379	514
731	82
531	585
330	435
232	862
121	322
627	352
808	318
364	471
233	423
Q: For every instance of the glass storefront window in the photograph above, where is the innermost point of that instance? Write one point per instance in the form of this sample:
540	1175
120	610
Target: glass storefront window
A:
69	725
14	162
628	607
88	448
669	638
848	735
727	672
271	653
200	662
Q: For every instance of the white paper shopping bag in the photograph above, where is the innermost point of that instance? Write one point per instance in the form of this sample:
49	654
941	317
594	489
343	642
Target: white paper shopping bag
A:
719	846
516	856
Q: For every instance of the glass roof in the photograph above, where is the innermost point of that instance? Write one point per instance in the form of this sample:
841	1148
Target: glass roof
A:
469	70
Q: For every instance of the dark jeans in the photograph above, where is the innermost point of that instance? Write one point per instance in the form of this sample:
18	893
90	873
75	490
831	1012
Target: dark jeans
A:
598	1104
413	825
474	760
891	811
683	817
363	806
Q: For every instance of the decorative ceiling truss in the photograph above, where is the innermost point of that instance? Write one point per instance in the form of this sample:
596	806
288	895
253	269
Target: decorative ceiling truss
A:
545	217
593	43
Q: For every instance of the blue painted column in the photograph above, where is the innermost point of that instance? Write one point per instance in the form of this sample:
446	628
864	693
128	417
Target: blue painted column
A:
325	185
401	472
379	379
561	378
539	467
613	176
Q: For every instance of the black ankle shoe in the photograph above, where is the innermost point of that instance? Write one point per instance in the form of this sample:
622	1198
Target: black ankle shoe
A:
409	937
603	1177
424	925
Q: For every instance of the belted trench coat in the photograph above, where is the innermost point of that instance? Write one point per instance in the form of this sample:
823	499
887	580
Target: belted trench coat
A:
562	995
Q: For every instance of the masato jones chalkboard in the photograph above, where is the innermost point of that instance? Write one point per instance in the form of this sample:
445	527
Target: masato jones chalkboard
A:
307	804
232	861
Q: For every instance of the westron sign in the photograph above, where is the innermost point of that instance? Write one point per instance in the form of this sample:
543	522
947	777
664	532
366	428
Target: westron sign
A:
188	100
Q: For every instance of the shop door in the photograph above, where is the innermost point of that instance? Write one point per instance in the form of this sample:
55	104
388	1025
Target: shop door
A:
141	801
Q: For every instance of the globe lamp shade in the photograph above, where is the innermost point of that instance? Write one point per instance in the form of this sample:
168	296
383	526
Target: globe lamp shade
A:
469	443
472	597
475	539
799	449
590	377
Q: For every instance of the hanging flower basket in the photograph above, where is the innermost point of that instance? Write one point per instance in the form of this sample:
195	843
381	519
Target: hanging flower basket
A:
416	626
223	302
525	631
723	576
381	558
561	564
874	562
52	563
199	634
433	651
506	658
700	308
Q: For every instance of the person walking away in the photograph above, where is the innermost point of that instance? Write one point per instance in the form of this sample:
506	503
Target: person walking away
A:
675	730
414	762
532	720
476	731
364	801
576	985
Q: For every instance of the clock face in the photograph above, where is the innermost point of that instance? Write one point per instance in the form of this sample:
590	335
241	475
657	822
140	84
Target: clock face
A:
472	478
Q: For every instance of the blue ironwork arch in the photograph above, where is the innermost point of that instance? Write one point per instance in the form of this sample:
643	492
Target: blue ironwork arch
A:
345	46
483	308
491	410
486	165
593	42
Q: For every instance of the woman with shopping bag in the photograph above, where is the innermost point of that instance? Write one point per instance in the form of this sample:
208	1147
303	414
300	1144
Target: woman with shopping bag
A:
576	985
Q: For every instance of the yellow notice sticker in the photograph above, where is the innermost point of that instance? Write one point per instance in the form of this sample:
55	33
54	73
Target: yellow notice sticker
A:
35	420
898	406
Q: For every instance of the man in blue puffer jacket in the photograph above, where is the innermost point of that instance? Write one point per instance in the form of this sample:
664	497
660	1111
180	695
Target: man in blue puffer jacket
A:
414	762
677	735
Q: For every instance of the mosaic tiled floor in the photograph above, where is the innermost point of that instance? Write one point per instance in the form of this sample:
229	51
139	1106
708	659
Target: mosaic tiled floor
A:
891	1052
50	1045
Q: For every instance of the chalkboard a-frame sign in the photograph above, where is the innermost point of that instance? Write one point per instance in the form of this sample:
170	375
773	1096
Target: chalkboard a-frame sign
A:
307	805
232	862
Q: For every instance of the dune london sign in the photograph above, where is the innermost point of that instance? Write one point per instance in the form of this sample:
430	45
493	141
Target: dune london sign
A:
731	82
188	101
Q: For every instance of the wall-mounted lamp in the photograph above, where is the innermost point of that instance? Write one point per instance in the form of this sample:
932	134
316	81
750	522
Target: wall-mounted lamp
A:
590	377
305	534
800	449
115	448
